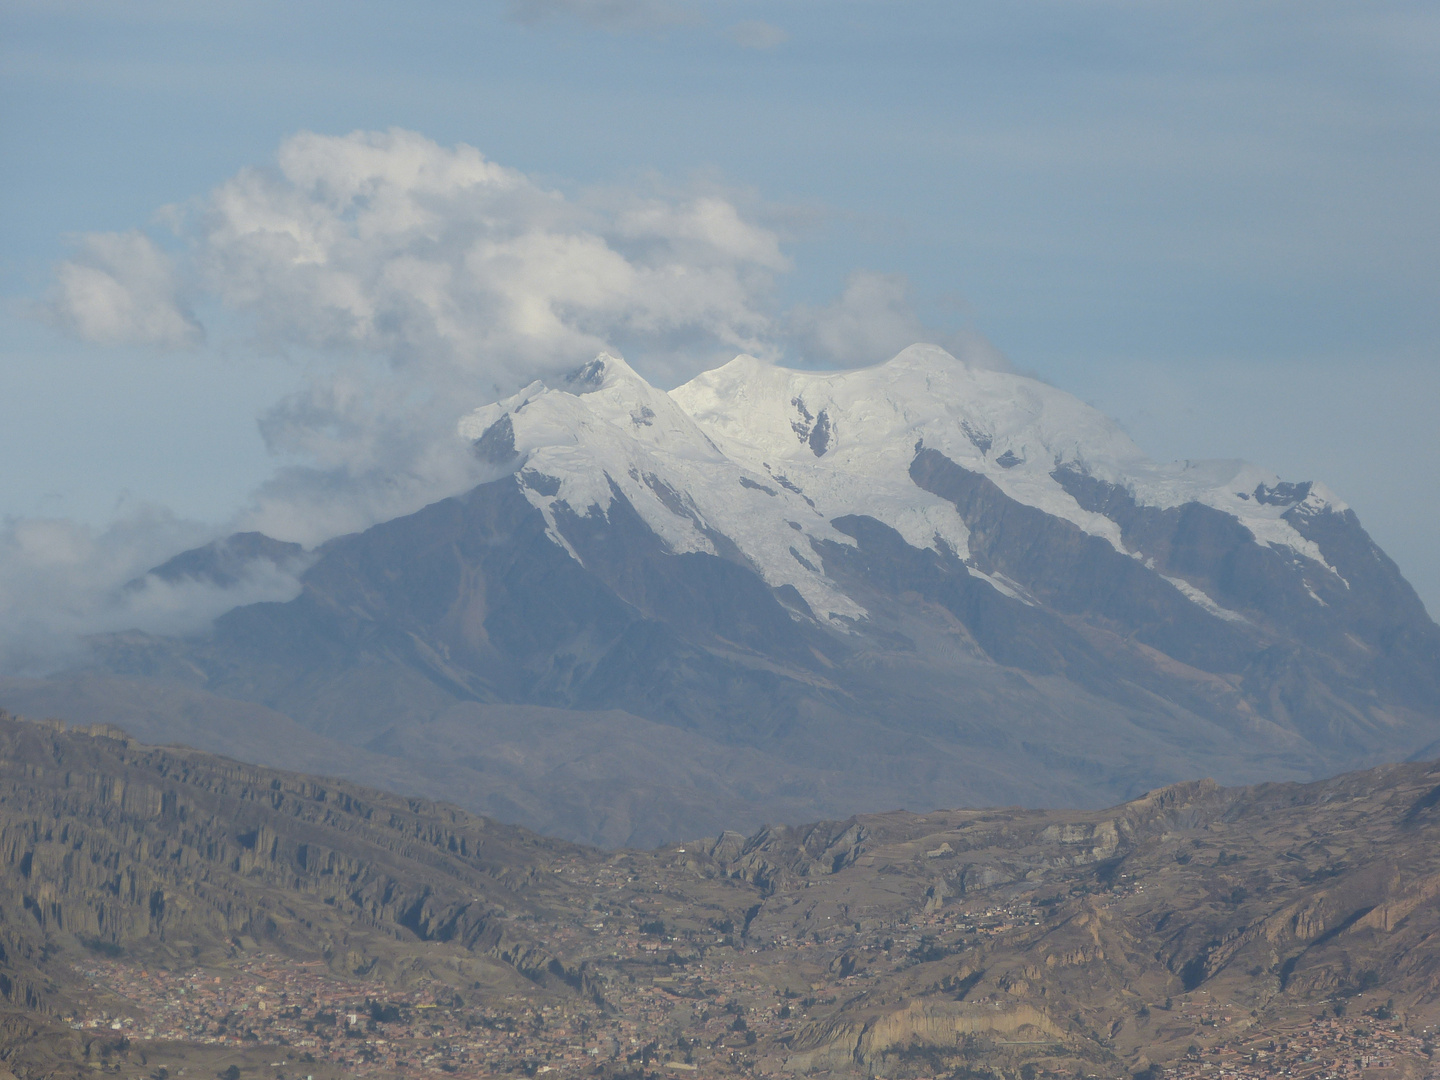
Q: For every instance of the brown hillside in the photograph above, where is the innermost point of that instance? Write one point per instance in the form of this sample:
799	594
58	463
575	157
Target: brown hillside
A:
894	944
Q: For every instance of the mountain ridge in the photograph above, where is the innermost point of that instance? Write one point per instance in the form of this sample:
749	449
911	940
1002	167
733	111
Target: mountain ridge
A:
968	588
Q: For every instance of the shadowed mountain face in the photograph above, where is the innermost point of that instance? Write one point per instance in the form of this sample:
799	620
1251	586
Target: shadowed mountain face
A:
971	590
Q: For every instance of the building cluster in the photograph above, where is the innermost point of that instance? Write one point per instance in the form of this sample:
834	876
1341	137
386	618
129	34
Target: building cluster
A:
675	997
311	1016
1329	1048
678	998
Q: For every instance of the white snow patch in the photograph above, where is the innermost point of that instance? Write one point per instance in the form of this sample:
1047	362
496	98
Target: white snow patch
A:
608	429
750	451
1004	585
1200	597
871	420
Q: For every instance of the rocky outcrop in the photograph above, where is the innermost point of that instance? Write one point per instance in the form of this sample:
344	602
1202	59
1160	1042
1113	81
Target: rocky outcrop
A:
931	1024
107	843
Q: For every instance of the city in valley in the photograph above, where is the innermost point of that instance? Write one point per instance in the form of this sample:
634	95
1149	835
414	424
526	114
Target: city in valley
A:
678	1006
265	924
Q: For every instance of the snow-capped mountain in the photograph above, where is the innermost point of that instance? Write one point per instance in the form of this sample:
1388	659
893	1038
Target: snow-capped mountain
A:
760	460
782	595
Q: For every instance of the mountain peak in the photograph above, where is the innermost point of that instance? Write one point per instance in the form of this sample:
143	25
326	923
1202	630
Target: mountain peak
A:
767	458
922	355
923	580
606	371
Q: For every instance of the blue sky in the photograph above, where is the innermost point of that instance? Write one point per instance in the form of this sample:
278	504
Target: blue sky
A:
1217	222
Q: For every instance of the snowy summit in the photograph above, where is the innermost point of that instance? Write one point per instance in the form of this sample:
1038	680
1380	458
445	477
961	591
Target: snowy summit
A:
758	461
786	595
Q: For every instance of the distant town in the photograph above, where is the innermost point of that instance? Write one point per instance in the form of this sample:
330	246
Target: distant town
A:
714	1012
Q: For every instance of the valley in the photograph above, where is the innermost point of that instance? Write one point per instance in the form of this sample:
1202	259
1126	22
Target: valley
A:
165	908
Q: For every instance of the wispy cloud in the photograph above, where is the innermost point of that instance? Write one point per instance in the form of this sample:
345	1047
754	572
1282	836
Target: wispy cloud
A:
873	319
438	258
755	34
608	14
121	289
61	581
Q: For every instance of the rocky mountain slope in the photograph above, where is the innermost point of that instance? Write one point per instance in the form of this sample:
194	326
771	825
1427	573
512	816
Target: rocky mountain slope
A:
916	584
970	942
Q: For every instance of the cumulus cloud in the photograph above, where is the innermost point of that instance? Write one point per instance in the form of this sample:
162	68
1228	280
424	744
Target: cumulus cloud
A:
418	281
437	258
413	282
120	289
754	34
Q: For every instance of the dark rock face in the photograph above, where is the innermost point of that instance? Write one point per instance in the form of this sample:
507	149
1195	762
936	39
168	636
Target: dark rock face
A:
496	444
1071	572
1363	621
1076	673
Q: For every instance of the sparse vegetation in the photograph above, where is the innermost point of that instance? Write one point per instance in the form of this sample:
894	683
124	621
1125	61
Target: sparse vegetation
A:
591	949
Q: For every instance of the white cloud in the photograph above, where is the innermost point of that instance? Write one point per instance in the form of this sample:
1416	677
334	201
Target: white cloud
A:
754	34
610	14
415	281
120	289
437	258
872	320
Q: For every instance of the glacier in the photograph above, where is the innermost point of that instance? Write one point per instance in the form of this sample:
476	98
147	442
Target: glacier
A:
756	461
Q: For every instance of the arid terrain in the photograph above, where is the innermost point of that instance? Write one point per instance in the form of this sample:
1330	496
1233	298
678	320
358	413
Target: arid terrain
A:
168	913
